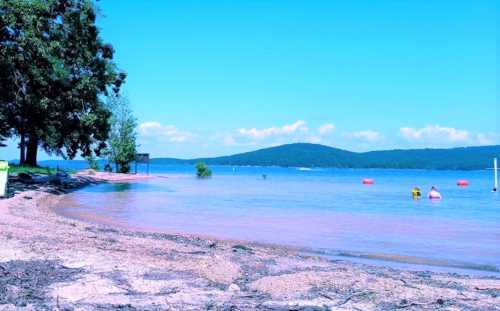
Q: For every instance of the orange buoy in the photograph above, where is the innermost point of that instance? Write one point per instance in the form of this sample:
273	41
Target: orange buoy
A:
462	183
368	181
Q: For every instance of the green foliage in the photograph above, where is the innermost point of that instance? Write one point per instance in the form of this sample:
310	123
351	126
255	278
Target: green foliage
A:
93	163
16	169
313	155
122	147
54	68
202	171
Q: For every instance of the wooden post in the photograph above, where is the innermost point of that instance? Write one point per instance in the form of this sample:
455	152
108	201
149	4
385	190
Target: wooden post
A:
495	174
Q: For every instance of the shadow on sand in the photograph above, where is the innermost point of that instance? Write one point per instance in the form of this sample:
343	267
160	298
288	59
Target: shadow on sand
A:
56	185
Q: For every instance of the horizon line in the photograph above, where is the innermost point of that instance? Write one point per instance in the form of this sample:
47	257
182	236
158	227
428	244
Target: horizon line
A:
288	144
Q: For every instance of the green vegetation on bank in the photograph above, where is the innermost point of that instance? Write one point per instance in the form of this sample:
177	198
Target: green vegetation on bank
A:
17	169
314	155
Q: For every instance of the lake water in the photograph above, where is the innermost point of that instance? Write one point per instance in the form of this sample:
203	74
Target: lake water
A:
327	211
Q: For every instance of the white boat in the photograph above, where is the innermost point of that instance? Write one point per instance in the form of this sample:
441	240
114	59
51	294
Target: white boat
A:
304	169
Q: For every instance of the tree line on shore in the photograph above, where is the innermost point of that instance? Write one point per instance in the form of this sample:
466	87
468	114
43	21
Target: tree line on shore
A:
315	155
59	85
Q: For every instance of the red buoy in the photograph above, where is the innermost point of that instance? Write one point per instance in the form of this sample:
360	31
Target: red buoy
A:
368	181
462	183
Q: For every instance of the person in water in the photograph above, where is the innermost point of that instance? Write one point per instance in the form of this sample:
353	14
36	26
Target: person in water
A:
416	193
434	193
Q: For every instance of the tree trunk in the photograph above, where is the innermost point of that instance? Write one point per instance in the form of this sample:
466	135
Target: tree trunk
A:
22	149
32	151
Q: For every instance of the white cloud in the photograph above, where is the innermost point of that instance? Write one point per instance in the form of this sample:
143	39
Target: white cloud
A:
367	135
155	136
447	136
435	133
288	129
485	139
326	128
145	126
169	133
229	140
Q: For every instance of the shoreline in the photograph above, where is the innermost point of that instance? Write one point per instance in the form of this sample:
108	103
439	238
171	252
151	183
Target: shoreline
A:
94	266
376	259
400	260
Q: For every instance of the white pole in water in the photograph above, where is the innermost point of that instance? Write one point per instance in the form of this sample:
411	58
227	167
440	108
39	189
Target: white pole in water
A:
495	169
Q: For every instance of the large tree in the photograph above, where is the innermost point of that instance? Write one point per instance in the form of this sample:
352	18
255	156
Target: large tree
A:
4	130
55	70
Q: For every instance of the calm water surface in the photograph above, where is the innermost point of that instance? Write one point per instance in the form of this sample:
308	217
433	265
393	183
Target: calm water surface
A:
324	210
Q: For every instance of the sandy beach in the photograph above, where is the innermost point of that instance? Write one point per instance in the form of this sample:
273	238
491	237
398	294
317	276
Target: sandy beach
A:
49	262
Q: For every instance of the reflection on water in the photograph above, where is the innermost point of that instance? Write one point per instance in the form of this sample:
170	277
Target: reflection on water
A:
126	186
329	211
121	187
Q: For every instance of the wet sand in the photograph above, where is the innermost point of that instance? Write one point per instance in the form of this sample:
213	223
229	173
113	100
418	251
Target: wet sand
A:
49	262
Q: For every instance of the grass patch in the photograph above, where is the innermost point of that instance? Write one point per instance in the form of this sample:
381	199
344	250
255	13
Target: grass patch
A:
16	169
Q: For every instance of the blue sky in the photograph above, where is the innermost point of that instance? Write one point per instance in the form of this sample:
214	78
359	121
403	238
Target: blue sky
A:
217	77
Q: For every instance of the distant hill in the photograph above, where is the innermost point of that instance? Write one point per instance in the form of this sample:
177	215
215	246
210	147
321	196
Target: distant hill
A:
314	155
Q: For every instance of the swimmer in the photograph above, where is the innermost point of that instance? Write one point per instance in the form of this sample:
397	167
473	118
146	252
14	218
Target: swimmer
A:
434	194
416	193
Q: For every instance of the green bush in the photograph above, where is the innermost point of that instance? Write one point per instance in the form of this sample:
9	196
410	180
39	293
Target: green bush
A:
17	169
202	171
122	146
92	162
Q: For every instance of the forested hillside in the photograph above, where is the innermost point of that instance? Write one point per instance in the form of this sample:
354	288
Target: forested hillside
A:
314	155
